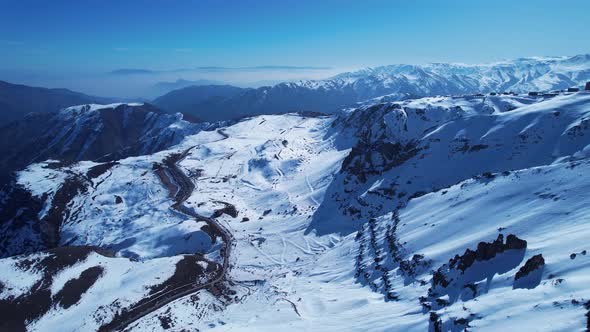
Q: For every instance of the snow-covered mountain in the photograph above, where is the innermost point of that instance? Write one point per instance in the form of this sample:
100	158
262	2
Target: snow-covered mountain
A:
90	132
212	103
436	213
521	76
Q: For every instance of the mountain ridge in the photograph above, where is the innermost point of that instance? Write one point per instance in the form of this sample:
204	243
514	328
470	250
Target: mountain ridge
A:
90	132
398	81
17	100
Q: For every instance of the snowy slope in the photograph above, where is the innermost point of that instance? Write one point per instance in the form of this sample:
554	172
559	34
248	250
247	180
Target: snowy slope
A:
323	288
382	218
332	282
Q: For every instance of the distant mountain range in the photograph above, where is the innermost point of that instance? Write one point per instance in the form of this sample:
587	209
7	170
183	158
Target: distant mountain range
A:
18	100
397	81
211	101
199	97
165	87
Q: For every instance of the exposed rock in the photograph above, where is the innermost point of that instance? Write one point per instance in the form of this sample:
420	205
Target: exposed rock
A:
228	209
529	275
513	242
100	169
20	226
487	251
531	264
73	289
435	322
463	272
373	159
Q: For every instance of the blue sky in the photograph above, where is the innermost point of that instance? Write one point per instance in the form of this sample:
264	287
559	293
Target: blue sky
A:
77	43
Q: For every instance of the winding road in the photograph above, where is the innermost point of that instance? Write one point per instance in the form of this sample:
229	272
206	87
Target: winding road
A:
181	188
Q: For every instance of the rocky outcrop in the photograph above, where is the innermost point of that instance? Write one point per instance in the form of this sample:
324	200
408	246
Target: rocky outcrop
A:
227	208
486	251
530	274
373	159
459	278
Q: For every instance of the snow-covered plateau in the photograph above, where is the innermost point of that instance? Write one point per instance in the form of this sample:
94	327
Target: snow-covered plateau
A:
433	214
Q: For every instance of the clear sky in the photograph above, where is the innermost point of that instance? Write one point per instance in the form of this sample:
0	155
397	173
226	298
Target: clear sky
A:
79	43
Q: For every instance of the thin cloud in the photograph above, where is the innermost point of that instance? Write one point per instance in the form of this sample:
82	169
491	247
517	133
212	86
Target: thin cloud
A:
132	71
293	67
143	71
263	68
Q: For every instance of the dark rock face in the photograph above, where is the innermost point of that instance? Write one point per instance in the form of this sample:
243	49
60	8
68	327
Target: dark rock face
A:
587	86
486	251
513	242
228	209
365	160
20	226
376	151
99	170
73	289
24	230
530	274
531	264
435	322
